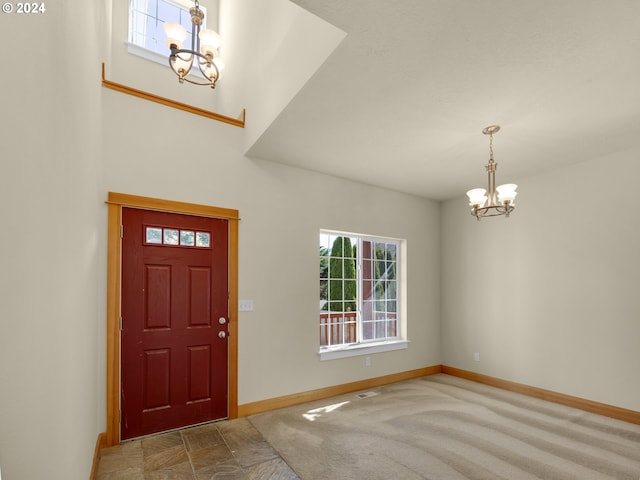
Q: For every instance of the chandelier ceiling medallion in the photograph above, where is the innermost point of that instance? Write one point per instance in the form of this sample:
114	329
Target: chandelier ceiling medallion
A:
203	51
493	201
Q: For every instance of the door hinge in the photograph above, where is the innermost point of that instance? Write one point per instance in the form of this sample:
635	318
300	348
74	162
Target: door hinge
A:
121	231
120	323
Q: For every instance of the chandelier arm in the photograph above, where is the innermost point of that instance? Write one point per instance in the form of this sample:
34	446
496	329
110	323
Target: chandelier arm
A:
201	59
492	210
209	63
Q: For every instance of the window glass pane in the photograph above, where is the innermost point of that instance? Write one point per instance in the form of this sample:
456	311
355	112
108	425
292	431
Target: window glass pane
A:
335	296
324	267
325	244
187	238
336	245
203	239
336	306
366	249
137	24
185	21
380	251
324	288
153	235
367	310
380	268
170	236
168	10
350	290
348	268
367	330
145	5
391	270
391	252
156	36
391	290
349	248
367	290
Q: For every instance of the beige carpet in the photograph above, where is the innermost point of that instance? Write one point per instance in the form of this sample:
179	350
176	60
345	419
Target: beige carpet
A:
443	427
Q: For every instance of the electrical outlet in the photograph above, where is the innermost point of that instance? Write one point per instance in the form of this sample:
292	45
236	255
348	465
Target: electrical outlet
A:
476	356
367	361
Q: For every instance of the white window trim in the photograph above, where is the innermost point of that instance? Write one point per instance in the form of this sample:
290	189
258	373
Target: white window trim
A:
147	54
370	347
342	351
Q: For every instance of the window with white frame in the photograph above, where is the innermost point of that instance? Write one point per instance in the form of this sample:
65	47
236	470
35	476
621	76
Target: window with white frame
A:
359	291
146	22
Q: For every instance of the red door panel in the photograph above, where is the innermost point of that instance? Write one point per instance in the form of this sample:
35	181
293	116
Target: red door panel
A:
174	289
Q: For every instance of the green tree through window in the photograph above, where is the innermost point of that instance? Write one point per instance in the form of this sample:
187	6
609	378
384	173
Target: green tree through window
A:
342	276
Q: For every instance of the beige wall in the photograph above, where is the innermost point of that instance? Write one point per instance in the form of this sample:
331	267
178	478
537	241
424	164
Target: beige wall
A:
52	260
282	210
549	297
567	318
66	142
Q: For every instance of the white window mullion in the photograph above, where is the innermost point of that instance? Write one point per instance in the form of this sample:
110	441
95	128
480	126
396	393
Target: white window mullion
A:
359	290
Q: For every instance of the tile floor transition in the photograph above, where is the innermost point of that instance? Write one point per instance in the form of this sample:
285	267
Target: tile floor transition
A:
225	450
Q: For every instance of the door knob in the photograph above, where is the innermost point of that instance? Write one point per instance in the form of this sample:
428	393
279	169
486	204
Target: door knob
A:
222	334
222	320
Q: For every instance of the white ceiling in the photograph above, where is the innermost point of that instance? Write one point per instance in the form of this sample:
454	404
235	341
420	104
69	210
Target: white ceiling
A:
402	101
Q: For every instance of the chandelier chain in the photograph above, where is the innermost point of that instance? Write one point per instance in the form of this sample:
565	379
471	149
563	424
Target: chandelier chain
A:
491	146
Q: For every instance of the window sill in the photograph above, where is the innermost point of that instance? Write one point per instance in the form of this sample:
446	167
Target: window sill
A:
362	349
148	54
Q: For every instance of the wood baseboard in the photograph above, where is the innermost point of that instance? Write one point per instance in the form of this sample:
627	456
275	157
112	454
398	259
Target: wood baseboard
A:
611	411
618	413
262	406
101	443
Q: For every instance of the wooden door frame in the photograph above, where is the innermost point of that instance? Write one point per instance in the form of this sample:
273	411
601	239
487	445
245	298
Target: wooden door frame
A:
115	202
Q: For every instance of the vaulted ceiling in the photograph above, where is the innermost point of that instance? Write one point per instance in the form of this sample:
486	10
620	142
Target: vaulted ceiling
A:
402	101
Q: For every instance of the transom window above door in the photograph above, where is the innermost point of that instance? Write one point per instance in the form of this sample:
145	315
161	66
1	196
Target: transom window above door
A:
176	237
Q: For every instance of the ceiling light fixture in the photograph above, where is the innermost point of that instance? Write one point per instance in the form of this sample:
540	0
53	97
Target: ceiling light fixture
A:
493	201
204	50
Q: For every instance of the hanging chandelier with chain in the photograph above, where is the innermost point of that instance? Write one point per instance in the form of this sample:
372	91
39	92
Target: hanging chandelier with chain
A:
493	201
203	52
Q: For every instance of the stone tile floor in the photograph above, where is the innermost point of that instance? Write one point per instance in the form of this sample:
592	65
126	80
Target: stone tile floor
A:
225	450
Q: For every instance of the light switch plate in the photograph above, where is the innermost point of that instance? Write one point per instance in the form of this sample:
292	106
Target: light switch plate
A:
245	305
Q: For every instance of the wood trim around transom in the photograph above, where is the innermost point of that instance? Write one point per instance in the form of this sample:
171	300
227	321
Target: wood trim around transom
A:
115	203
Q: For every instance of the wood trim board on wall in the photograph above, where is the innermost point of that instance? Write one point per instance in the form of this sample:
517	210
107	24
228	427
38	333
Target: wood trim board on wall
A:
115	203
118	87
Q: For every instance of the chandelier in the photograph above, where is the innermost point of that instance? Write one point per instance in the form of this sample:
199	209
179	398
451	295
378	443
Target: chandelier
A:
203	52
494	200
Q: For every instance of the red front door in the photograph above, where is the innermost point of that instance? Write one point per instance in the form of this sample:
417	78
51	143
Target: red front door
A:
174	365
